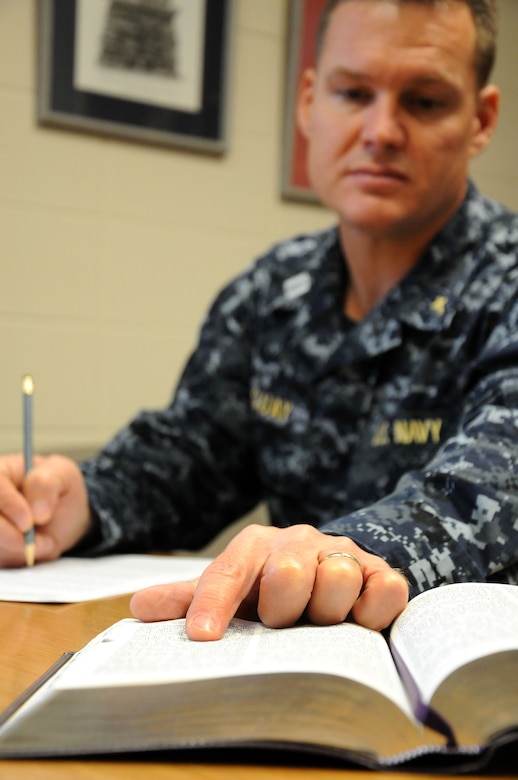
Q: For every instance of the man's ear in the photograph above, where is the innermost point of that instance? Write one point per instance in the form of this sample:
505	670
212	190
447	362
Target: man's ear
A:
486	118
305	98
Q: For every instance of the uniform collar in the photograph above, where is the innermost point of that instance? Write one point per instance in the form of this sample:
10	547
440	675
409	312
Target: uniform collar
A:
431	294
427	299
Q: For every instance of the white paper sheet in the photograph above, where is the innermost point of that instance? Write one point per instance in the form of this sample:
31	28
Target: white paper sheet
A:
69	580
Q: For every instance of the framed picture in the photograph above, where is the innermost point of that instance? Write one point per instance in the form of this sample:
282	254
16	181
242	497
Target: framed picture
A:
145	70
303	24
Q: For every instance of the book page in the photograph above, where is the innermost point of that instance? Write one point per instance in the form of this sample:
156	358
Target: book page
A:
68	580
445	628
134	653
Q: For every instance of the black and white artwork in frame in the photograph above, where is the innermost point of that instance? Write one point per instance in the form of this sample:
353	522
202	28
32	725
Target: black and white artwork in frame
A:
147	70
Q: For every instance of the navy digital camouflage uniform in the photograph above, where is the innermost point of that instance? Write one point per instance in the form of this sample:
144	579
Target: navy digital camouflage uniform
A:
399	431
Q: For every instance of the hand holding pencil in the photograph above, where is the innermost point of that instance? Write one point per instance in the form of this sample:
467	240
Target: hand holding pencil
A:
44	509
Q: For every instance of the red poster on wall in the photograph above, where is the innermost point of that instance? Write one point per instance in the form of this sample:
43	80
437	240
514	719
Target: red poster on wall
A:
303	24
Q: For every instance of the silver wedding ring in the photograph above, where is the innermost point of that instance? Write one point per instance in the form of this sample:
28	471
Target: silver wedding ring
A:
342	555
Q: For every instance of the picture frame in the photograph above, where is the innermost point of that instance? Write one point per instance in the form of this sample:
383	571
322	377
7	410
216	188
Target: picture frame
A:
302	29
148	72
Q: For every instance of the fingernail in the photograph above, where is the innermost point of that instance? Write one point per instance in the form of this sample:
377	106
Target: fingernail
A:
203	622
22	522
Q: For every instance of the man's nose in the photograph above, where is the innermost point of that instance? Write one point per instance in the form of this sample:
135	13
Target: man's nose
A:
383	125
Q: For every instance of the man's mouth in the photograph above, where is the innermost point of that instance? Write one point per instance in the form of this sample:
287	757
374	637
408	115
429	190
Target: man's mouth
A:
378	173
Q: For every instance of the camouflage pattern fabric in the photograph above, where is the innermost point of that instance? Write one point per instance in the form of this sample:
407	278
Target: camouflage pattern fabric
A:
400	431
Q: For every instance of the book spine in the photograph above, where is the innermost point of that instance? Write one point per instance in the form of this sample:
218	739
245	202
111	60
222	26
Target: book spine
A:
36	685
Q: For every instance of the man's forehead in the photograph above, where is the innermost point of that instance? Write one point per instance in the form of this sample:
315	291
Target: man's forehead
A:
448	13
358	27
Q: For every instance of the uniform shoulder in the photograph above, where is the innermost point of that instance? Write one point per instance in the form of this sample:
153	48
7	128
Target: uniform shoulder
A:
300	252
501	222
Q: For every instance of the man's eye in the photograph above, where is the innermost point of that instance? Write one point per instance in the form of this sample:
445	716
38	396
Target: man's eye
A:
424	104
353	95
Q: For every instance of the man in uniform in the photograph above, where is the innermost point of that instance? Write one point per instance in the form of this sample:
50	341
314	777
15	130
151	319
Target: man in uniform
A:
362	381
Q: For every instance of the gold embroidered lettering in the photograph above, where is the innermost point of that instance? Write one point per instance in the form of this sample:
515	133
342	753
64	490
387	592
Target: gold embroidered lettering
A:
436	427
381	436
267	405
417	431
400	432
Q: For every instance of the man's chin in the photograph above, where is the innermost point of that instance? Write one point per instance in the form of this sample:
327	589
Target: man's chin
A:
375	223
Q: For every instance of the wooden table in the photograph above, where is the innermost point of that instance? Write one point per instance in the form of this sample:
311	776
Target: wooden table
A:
33	636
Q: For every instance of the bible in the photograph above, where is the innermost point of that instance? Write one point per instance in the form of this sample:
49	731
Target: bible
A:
439	689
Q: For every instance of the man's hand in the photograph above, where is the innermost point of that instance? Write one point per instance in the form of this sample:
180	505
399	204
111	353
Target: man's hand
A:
278	575
52	497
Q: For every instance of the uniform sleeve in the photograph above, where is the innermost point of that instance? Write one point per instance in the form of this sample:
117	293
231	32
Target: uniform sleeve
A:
457	519
174	478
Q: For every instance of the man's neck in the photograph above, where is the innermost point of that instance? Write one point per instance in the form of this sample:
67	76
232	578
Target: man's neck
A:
377	263
375	266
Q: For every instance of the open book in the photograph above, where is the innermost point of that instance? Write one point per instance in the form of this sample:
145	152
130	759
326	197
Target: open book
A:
444	687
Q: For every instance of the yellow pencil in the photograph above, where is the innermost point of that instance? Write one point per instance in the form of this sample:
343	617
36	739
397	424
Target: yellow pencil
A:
27	393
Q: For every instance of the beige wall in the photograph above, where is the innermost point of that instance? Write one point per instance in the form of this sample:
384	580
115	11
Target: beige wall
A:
111	251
